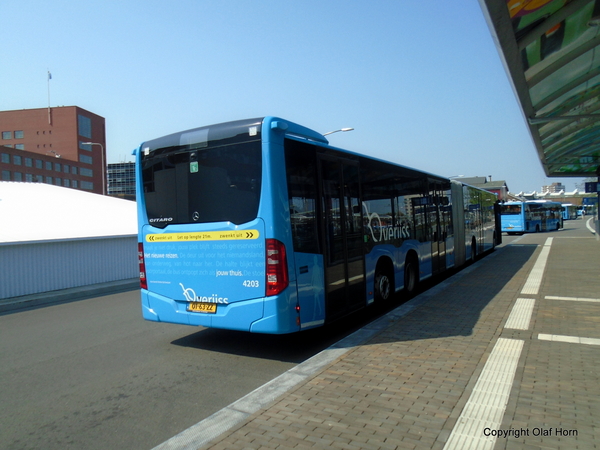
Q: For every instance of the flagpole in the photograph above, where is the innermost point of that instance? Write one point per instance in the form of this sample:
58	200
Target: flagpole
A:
49	113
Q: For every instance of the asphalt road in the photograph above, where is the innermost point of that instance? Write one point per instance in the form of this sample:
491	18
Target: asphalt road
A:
92	374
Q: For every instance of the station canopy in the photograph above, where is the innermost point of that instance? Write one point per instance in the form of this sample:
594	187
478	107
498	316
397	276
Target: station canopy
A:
551	52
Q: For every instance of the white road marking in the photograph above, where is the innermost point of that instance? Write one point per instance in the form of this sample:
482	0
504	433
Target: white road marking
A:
520	316
534	281
569	339
487	403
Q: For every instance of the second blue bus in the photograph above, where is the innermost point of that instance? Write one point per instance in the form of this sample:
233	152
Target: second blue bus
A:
531	216
569	211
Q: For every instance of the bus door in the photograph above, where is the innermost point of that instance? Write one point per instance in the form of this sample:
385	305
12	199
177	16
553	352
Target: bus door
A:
342	235
446	241
545	216
438	225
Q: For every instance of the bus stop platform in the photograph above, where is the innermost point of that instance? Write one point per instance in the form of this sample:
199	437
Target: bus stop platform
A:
503	355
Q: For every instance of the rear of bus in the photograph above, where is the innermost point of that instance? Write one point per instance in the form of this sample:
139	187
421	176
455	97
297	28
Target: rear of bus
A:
512	217
212	236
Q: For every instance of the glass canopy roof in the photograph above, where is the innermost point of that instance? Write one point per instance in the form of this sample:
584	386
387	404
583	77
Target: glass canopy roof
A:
551	52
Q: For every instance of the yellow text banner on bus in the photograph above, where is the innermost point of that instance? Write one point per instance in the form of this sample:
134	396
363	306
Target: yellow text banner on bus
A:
238	235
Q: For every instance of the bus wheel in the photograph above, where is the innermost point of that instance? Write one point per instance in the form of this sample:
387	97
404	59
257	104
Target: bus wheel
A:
411	275
383	285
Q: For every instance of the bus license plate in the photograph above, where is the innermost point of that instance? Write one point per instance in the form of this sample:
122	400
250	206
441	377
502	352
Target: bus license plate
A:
206	308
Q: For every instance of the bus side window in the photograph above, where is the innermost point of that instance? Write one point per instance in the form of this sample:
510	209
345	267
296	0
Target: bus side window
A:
302	195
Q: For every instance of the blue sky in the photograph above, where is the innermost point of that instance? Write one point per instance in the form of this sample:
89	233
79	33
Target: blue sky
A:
420	81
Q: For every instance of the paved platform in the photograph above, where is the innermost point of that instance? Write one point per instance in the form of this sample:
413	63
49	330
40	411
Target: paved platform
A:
503	355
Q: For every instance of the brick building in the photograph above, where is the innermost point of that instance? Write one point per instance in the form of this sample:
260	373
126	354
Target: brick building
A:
47	145
554	188
498	187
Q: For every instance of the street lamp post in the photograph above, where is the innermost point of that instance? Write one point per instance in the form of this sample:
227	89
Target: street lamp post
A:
336	131
103	168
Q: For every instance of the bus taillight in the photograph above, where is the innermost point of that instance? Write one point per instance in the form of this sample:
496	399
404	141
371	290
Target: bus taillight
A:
143	281
277	271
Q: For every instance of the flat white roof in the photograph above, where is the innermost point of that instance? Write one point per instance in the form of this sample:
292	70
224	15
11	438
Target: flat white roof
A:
39	212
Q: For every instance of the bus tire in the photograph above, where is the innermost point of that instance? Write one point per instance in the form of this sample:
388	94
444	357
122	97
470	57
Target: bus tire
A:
411	274
384	282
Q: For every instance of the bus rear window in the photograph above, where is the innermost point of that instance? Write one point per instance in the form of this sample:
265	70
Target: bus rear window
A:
510	209
201	183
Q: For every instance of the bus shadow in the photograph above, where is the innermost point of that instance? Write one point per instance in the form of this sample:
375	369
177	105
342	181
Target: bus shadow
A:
294	348
441	310
455	308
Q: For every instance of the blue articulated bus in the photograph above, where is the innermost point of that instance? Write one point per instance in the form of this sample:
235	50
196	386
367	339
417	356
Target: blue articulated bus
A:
531	216
569	211
260	225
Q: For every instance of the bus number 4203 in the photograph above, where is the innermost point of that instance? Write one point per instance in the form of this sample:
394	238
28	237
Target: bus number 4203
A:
251	283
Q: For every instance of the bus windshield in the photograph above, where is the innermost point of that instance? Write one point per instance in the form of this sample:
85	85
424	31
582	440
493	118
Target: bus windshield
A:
203	176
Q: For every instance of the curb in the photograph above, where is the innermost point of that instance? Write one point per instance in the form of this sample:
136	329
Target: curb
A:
15	304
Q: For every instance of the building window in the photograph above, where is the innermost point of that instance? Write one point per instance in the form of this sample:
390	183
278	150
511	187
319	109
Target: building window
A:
5	158
19	134
86	172
58	181
28	162
17	160
39	178
28	177
85	159
39	164
48	165
20	146
66	168
66	182
7	135
74	183
74	170
87	185
84	126
5	175
18	176
48	180
57	167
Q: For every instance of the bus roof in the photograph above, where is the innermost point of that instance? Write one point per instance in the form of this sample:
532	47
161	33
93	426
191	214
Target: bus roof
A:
291	129
301	133
519	202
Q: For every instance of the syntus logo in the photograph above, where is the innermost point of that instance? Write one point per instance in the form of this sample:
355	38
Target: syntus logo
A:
191	296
